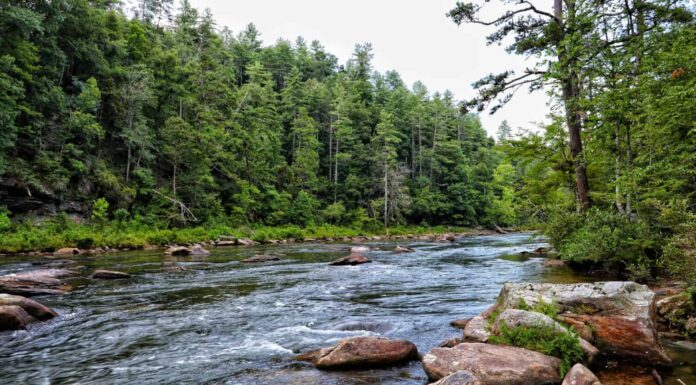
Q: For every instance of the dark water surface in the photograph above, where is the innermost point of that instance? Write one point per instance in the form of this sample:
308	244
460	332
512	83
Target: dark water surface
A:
214	320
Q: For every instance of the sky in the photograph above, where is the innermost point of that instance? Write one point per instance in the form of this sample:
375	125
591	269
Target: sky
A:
413	37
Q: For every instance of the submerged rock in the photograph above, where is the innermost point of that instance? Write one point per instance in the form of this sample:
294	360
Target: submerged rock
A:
580	375
362	353
350	260
403	249
31	307
67	251
37	282
461	377
617	317
493	364
261	259
109	274
13	317
196	250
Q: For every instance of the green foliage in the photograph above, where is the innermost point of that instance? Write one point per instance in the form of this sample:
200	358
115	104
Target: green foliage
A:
549	309
5	222
99	210
612	242
544	339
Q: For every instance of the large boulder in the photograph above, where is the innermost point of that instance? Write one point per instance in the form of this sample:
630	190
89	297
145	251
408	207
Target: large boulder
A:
13	317
617	317
476	330
110	274
195	250
31	307
493	364
461	377
580	375
350	260
530	319
37	282
362	352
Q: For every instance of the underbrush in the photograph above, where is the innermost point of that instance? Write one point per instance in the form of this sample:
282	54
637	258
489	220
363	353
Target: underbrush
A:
543	339
61	232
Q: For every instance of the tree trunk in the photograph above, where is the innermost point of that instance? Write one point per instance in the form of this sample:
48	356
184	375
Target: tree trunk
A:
386	188
574	122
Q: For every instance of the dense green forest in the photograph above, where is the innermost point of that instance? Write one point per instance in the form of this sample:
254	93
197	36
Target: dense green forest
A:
149	115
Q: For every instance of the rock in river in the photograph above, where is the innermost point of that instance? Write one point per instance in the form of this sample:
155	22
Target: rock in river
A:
13	317
403	249
476	330
261	258
362	353
617	317
351	260
37	282
197	250
359	249
493	364
461	377
31	307
109	274
580	375
67	251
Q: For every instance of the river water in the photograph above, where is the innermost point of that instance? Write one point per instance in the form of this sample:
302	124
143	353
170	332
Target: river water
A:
215	320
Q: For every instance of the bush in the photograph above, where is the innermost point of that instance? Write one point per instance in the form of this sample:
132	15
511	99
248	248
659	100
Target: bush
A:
99	209
5	222
543	339
608	241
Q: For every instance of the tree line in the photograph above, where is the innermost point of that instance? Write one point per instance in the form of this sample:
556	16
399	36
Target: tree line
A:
175	120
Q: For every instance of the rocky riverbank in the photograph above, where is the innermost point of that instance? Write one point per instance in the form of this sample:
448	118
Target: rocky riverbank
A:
534	334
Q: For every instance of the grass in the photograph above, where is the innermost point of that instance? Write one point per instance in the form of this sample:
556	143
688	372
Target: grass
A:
61	232
543	339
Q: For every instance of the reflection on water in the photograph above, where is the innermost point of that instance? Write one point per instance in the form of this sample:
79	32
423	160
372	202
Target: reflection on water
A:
214	319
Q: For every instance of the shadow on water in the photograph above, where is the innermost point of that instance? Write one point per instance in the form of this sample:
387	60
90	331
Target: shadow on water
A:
216	320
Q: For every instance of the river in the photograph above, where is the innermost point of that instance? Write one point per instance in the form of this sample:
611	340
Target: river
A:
215	320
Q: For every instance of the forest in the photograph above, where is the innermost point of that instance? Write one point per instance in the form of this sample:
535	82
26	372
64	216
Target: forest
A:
148	118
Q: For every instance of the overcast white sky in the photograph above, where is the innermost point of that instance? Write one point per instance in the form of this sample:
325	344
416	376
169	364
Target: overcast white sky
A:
412	37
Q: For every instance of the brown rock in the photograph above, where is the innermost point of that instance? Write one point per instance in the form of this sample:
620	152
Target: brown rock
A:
37	282
261	258
351	260
226	243
67	251
33	308
626	375
626	338
580	375
246	242
460	323
109	274
461	377
493	364
362	352
13	317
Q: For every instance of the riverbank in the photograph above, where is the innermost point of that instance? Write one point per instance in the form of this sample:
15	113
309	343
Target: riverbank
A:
50	237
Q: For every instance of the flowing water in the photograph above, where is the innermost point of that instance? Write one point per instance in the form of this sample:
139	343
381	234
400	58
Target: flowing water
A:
215	320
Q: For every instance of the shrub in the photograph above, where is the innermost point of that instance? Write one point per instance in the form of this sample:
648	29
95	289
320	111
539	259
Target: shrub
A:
543	339
5	222
99	209
599	239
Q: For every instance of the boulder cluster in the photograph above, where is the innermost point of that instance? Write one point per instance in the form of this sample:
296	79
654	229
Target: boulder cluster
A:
612	321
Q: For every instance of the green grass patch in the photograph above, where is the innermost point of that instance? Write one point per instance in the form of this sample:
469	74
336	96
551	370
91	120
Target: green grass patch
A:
543	339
